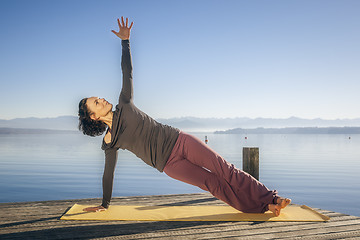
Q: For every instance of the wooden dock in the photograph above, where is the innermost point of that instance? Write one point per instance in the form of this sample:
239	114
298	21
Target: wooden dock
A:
41	220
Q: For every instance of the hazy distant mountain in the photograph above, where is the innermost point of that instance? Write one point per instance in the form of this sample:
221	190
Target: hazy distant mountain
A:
34	131
189	123
218	124
299	130
58	123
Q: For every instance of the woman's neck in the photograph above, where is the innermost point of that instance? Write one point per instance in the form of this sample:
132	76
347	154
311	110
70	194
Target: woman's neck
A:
108	119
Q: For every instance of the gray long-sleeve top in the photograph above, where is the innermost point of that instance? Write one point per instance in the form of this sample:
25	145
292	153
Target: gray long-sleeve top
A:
135	131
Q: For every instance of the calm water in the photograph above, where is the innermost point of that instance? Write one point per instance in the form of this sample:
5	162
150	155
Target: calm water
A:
317	170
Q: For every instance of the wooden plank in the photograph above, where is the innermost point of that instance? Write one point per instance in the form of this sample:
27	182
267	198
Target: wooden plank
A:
26	221
267	232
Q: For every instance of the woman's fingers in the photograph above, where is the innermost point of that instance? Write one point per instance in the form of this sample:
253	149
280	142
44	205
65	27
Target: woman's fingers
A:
124	30
89	209
124	24
122	21
94	209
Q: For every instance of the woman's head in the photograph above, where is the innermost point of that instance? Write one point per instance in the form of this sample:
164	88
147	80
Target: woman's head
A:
91	113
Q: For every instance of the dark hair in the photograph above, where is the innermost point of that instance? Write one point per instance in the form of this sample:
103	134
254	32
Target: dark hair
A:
87	125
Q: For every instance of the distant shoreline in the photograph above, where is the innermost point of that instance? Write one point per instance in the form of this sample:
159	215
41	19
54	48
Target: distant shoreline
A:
293	130
260	130
189	124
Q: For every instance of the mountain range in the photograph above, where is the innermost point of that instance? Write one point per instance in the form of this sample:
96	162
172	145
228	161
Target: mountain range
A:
294	130
190	123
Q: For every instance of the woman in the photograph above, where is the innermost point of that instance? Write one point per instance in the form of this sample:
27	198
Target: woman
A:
180	155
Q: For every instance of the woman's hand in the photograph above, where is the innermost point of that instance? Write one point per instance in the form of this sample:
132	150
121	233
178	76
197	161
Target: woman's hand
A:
124	30
94	209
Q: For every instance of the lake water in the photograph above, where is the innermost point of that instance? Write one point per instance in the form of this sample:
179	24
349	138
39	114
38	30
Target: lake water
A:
316	170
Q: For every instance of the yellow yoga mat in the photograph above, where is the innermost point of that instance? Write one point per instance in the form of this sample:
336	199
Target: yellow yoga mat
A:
190	213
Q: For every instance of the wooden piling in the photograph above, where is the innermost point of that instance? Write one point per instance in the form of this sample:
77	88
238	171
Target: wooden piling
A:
251	161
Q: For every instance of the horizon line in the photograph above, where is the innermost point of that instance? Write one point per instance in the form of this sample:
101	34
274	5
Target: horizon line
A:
316	118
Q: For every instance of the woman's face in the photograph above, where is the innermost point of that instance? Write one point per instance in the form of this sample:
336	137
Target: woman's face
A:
99	107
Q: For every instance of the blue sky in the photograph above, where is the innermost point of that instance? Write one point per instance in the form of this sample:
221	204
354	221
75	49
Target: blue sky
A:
191	58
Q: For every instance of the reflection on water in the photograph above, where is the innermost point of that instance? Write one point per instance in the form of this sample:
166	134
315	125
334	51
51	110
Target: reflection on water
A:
316	170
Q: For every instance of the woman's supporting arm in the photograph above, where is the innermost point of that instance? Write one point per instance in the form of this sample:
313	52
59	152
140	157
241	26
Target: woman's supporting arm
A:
108	177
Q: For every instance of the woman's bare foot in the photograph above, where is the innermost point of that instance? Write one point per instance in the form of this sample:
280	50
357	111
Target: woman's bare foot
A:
275	209
283	202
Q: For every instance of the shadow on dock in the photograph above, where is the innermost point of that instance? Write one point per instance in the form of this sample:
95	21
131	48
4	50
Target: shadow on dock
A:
102	230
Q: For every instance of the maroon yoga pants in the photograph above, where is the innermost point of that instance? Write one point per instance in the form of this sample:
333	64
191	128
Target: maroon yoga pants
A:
191	161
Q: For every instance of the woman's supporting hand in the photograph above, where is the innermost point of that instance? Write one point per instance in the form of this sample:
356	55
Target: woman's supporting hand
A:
94	209
124	30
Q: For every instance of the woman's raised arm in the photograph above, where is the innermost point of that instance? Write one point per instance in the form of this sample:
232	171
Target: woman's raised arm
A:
126	65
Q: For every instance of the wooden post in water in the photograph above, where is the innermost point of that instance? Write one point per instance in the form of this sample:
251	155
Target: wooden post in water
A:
251	161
